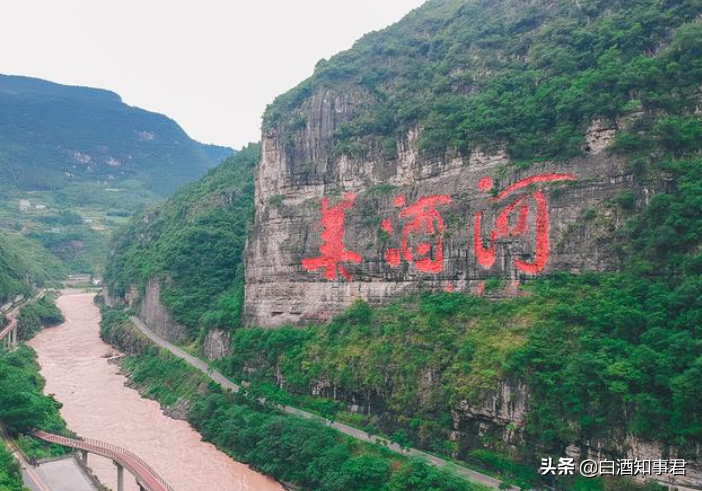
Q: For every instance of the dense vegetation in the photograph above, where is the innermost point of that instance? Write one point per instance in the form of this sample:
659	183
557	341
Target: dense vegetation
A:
193	244
525	76
23	263
10	475
23	406
37	315
53	135
288	448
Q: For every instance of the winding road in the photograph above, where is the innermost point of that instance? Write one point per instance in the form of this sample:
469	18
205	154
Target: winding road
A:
227	384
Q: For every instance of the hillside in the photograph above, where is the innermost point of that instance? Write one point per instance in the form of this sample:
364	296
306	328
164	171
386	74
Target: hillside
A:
527	77
76	161
479	231
24	263
186	253
55	137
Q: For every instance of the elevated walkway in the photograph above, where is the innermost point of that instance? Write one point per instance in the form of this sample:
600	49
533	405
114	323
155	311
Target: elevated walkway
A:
146	477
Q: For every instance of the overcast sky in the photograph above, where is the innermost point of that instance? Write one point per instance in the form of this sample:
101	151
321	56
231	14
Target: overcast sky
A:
212	65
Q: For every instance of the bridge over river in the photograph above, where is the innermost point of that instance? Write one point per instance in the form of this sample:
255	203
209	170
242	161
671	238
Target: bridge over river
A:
147	479
82	372
9	335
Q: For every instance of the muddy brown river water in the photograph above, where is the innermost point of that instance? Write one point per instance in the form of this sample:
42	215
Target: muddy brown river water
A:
97	404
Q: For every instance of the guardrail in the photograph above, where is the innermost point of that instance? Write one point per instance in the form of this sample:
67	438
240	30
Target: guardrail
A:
14	308
8	328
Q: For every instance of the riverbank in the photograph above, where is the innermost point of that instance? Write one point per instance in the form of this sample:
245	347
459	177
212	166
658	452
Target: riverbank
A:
300	451
24	406
97	403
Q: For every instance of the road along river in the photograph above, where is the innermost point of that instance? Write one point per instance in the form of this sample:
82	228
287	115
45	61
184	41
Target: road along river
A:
97	404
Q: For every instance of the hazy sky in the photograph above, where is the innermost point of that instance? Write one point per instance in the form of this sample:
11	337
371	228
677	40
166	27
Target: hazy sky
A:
212	65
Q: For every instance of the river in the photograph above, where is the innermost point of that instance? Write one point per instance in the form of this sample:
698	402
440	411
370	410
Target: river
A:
97	404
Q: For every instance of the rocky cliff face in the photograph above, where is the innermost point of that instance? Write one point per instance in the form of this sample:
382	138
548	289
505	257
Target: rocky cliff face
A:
331	228
216	344
155	314
498	421
151	309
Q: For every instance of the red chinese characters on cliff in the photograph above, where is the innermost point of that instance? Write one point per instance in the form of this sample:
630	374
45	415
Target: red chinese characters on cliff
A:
421	238
423	219
332	251
520	209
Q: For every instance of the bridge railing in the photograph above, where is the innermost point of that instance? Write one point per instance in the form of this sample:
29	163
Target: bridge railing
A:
9	313
7	329
111	451
130	454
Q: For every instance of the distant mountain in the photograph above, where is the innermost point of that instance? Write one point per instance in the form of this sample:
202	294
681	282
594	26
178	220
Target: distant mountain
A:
52	136
76	162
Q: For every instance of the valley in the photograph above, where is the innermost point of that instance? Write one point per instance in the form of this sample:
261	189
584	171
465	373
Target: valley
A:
78	162
81	373
463	250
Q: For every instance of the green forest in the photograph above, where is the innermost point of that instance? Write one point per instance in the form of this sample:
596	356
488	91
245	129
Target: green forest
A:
77	162
24	407
10	475
603	356
195	242
38	315
525	77
109	141
24	263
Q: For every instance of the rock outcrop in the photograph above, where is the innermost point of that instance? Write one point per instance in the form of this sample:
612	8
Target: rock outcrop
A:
152	310
397	225
156	315
217	344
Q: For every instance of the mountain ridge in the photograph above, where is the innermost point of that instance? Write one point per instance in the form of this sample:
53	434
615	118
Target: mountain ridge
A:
85	133
20	84
77	161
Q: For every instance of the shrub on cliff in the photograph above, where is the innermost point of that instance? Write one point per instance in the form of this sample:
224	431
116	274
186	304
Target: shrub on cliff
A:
306	453
286	447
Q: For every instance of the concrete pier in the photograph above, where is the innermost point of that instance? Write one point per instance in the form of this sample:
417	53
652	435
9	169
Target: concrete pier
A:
120	477
9	338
